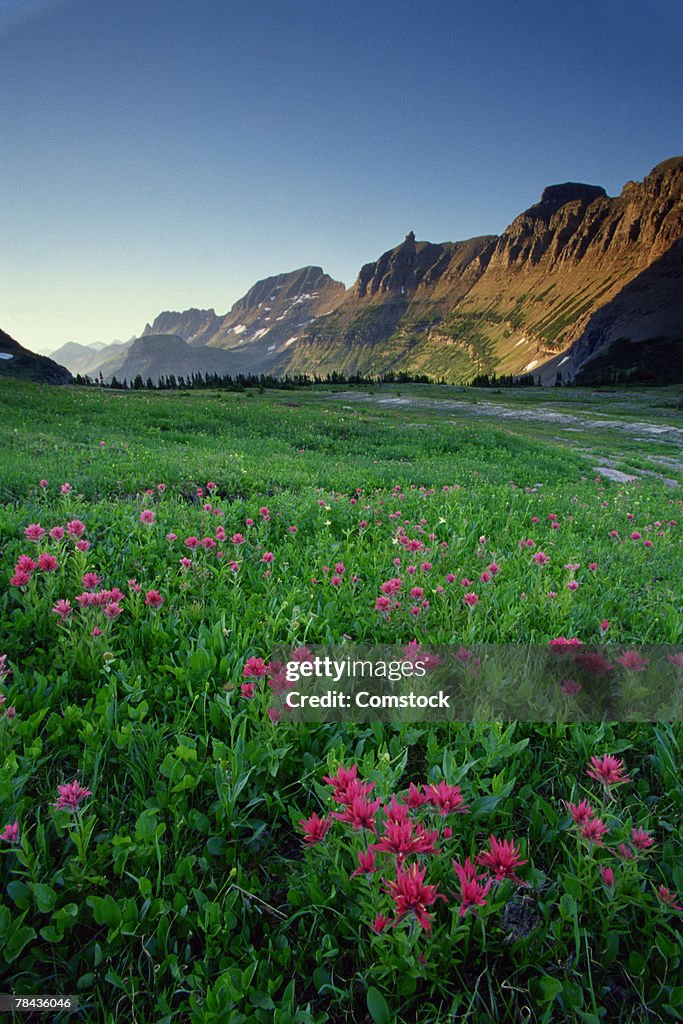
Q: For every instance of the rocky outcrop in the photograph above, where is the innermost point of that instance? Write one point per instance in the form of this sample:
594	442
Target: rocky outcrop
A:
195	326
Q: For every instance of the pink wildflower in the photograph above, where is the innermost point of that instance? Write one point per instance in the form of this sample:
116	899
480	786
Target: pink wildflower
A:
34	532
254	668
412	896
62	608
641	839
447	799
147	516
472	892
71	796
608	770
502	859
75	528
10	833
47	562
154	599
632	661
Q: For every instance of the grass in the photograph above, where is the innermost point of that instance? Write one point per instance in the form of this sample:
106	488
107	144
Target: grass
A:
180	888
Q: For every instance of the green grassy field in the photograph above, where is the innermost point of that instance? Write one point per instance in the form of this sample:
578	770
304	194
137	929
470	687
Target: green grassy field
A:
200	530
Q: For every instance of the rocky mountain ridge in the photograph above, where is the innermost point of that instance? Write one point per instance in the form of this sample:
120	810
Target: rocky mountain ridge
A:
572	276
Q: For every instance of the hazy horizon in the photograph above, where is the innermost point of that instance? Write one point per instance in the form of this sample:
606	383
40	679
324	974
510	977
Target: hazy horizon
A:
167	156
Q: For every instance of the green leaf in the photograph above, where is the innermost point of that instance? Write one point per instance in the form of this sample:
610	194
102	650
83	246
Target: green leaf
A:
548	988
45	897
377	1007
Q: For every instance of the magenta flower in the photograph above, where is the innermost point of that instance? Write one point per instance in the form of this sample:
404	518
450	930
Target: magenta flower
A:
411	896
570	687
607	876
75	528
471	599
608	770
359	812
594	831
581	813
47	562
20	578
254	667
315	828
34	532
632	661
62	608
57	532
447	799
10	833
380	923
112	610
641	839
248	690
540	558
71	796
668	898
366	863
65	488
82	545
147	516
472	892
154	599
502	859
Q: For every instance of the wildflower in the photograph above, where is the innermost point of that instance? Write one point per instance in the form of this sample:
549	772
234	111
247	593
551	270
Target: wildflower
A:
267	557
208	543
71	796
91	580
57	532
380	923
254	667
47	562
493	568
11	712
186	562
341	781
403	838
147	516
134	586
96	631
625	852
3	670
264	513
382	604
366	863
171	537
43	484
412	896
391	586
20	578
540	558
675	659
581	813
274	714
65	488
573	585
62	608
471	599
220	533
447	799
75	528
594	830
670	899
161	488
561	645
211	486
34	532
154	599
636	536
248	690
191	543
632	661
472	892
292	529
502	859
415	797
607	876
10	833
608	770
570	688
112	610
641	839
359	812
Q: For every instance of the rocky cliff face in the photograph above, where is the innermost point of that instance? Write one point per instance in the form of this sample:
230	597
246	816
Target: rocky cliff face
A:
195	326
576	272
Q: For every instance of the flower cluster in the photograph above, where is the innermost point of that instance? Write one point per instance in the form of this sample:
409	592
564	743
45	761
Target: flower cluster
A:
408	829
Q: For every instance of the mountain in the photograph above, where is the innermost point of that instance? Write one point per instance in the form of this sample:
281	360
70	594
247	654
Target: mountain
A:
84	359
578	278
17	361
162	355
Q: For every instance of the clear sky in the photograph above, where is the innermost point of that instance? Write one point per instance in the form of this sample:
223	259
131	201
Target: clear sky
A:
161	154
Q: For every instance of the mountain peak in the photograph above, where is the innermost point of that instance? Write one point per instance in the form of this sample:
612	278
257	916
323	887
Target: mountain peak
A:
570	192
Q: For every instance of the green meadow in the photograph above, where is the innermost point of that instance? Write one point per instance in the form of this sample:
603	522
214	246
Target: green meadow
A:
169	849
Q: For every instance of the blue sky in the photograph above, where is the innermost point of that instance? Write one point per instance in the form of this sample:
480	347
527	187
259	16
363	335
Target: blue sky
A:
158	154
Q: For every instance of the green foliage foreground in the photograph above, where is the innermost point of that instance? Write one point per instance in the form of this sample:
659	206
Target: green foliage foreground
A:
176	883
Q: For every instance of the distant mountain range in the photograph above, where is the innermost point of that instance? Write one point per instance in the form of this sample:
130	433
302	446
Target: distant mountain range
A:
580	284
